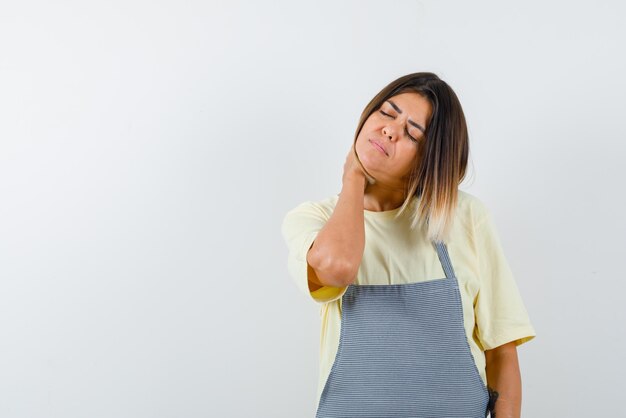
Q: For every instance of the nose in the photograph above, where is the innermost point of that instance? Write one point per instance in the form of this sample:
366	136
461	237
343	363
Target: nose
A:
388	132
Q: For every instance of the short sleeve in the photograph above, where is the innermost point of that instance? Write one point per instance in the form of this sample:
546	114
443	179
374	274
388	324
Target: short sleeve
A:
299	229
501	316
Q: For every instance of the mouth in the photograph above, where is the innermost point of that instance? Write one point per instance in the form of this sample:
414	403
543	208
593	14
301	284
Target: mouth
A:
378	146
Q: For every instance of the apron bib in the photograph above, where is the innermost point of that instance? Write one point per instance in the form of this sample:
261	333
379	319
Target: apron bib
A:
403	352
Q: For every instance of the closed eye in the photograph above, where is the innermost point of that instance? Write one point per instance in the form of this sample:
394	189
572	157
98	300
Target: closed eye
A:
405	130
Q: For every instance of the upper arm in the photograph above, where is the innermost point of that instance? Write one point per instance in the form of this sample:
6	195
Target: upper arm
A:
509	348
501	315
313	281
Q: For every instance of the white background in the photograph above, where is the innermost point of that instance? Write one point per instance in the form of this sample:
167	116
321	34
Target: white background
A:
149	151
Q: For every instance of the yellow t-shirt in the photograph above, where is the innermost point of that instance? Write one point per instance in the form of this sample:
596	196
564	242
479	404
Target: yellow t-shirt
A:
493	310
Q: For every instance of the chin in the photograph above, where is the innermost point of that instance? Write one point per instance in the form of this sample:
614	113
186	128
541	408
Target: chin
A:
371	158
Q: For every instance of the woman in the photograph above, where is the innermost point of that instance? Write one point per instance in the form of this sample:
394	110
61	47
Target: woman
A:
421	315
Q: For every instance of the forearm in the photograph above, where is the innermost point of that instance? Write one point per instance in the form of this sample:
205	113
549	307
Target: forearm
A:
504	379
339	245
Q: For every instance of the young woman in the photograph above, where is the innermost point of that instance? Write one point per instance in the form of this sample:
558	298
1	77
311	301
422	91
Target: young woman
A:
421	315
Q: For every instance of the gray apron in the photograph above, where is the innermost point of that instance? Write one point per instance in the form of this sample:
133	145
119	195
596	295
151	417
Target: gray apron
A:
403	352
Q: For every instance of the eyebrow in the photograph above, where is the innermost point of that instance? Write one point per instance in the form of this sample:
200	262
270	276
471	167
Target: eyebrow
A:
417	125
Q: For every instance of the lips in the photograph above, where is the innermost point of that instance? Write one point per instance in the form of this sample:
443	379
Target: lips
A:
379	145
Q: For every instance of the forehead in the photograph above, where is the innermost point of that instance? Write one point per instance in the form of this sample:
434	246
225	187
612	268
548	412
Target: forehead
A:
414	104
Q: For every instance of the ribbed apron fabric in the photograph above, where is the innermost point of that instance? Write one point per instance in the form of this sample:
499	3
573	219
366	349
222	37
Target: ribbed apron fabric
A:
403	352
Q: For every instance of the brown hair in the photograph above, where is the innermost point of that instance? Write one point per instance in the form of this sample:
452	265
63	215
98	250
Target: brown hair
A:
436	176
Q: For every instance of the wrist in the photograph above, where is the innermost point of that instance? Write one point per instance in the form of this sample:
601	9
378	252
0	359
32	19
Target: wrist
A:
355	179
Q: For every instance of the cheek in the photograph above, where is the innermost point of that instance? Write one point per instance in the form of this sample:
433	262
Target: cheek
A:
370	126
362	140
408	157
410	152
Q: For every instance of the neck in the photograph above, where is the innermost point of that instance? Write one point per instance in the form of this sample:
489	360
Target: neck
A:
380	197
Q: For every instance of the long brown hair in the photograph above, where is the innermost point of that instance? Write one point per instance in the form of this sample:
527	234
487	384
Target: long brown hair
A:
434	178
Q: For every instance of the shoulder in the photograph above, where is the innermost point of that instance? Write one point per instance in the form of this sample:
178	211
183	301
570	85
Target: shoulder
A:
471	209
320	210
323	206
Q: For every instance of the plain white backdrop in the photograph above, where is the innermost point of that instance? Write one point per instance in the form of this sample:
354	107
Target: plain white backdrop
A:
149	151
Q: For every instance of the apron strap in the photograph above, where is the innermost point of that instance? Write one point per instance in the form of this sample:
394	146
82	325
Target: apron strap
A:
444	258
